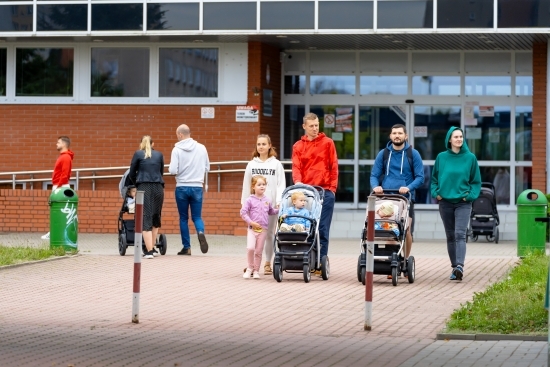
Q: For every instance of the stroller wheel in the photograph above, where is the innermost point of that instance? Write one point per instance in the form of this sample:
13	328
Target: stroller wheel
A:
363	275
474	238
307	273
359	269
496	235
278	272
411	269
394	275
325	268
163	244
122	244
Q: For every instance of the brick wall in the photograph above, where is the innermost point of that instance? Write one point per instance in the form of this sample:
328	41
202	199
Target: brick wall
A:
540	63
98	211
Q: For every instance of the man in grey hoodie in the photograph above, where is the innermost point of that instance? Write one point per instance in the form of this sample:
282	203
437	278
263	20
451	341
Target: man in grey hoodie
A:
189	162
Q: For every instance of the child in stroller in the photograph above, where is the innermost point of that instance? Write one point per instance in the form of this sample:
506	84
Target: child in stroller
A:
126	223
294	217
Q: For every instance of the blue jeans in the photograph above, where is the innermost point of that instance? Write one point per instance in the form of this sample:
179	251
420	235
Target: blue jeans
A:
324	222
455	217
189	197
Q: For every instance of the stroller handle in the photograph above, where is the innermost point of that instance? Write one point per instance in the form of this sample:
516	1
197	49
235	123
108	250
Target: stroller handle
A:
407	195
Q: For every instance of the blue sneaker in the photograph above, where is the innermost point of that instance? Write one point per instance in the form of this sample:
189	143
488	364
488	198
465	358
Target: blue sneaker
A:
458	272
453	276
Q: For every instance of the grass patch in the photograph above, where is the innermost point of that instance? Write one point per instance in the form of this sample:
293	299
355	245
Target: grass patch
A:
17	255
514	305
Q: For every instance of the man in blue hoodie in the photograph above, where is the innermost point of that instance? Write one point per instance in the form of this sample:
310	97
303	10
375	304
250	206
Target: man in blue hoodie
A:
402	170
189	162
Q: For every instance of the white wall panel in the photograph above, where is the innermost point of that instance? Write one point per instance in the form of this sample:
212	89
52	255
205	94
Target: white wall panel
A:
234	73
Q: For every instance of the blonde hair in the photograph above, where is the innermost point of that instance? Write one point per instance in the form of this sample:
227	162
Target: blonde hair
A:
270	153
255	180
146	144
297	195
310	116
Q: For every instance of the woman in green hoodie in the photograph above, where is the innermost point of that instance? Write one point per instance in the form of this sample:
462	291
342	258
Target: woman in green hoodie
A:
456	183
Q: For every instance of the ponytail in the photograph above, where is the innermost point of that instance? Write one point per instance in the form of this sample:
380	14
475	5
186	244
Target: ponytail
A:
146	143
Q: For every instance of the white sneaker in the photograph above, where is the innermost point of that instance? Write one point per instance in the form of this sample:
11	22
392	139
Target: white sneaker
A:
148	255
155	252
247	274
256	275
46	236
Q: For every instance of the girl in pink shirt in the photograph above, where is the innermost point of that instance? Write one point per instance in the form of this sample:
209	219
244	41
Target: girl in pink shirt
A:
255	212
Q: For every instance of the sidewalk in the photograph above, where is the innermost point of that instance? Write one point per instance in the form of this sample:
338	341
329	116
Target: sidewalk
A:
198	311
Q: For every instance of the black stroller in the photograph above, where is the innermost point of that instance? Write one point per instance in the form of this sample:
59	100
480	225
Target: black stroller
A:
126	227
299	252
484	219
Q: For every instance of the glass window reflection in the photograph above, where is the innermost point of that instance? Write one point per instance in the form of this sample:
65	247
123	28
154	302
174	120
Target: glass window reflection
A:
524	125
364	183
383	84
173	16
62	17
44	72
326	84
488	86
188	72
423	194
338	123
375	124
524	180
489	139
120	72
436	85
405	14
437	120
293	130
500	178
346	188
295	84
524	85
3	70
16	18
464	14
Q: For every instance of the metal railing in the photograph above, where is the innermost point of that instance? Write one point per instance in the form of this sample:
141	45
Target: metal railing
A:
28	177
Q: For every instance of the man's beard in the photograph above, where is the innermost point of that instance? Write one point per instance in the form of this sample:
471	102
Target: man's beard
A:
398	144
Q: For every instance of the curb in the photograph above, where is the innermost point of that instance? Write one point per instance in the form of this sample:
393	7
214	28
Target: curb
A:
37	261
488	337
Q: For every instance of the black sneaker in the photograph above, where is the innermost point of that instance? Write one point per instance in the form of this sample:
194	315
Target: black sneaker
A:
185	251
154	252
202	241
148	255
458	272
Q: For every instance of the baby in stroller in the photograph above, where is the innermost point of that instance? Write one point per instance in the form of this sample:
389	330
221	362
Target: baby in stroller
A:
386	210
131	199
292	223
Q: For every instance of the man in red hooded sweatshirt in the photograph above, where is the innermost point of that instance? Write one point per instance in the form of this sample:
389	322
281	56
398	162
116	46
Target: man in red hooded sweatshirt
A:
314	162
63	166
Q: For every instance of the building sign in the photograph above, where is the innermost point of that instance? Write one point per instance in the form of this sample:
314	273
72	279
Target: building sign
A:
420	131
267	109
207	112
247	114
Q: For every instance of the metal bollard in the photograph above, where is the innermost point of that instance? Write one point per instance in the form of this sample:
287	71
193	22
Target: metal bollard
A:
137	256
369	267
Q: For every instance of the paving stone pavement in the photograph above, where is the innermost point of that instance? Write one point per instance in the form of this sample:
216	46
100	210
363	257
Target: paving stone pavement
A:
198	311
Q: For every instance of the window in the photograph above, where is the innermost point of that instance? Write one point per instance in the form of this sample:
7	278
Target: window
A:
295	84
489	139
488	86
62	17
332	84
358	14
524	85
173	16
120	72
338	123
405	14
117	17
287	15
524	127
186	72
464	14
3	71
380	84
524	13
16	18
436	85
437	120
233	15
44	72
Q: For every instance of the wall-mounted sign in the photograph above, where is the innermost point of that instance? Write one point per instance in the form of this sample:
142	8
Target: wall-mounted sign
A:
247	114
267	108
207	112
420	131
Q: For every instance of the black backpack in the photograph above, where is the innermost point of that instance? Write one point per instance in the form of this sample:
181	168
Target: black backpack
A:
387	157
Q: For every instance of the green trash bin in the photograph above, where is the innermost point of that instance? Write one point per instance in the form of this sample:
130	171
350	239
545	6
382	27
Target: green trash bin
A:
531	204
63	218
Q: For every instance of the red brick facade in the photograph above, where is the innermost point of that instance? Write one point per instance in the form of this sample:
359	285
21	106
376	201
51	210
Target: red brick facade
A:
108	135
540	69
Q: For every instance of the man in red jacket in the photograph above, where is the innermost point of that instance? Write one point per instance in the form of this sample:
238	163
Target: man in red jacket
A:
62	169
314	162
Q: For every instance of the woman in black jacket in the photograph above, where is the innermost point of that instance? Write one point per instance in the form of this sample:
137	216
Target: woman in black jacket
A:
146	172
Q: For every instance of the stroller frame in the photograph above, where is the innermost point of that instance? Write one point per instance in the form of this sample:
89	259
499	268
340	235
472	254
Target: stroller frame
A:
389	250
484	223
299	252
